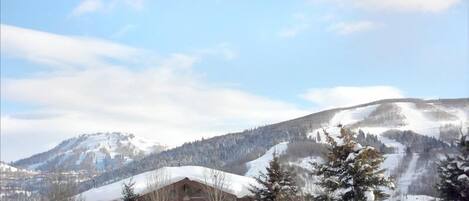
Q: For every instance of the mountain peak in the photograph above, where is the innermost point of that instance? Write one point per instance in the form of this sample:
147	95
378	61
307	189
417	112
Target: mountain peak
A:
107	134
95	152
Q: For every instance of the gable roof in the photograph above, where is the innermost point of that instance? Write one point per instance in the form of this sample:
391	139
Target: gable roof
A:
238	185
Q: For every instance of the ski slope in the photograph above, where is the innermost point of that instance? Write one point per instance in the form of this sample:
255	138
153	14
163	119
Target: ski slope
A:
257	166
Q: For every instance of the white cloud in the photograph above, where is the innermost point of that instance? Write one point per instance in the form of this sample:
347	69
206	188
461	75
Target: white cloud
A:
91	6
407	5
347	28
62	51
325	98
136	4
293	31
87	6
165	100
75	52
165	104
124	30
429	6
300	24
224	50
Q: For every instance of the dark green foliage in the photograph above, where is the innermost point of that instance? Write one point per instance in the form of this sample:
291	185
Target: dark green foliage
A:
128	193
277	185
304	148
415	142
351	171
372	140
454	174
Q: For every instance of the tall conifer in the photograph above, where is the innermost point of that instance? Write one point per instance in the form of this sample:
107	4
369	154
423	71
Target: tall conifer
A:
351	172
277	184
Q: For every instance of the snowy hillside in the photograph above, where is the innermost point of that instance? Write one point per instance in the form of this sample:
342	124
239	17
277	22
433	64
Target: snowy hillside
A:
418	133
399	125
429	119
7	168
258	166
92	152
237	185
403	129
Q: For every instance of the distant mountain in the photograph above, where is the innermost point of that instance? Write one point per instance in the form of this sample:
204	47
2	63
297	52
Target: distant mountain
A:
6	169
412	133
440	119
93	153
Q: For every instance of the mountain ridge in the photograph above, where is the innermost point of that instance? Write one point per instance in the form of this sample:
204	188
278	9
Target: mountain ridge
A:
230	151
391	125
96	152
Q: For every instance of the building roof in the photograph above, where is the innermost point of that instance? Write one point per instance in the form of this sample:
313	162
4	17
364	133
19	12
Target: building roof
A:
237	185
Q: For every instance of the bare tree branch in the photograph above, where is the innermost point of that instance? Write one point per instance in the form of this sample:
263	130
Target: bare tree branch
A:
61	187
156	186
216	184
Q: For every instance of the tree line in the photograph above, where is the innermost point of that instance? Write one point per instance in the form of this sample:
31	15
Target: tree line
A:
351	171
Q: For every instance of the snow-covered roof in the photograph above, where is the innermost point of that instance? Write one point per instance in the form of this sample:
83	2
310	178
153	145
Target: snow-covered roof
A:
237	185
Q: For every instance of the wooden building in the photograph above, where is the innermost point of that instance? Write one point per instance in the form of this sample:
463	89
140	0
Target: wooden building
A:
184	183
189	190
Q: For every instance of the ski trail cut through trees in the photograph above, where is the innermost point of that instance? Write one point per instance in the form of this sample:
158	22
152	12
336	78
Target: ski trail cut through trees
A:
406	179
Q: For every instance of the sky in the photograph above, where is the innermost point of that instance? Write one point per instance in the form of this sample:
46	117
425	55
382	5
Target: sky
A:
177	71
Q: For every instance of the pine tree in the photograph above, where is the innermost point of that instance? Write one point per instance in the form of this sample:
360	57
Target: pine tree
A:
454	174
277	185
128	193
352	172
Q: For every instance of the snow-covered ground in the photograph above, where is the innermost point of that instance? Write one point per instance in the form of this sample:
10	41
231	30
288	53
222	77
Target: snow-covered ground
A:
5	168
306	162
110	142
258	165
391	161
414	198
422	120
407	177
237	185
415	119
351	116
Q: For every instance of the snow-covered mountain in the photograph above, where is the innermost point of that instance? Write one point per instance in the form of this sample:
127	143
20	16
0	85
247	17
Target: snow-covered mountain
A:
412	133
97	152
433	119
9	169
4	167
257	166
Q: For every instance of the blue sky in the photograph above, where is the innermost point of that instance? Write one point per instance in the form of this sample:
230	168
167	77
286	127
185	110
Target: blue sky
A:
175	71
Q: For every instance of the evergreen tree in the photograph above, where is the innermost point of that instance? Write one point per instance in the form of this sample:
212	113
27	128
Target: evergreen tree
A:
352	172
454	174
128	193
277	185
